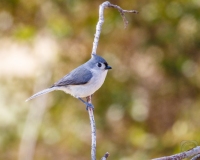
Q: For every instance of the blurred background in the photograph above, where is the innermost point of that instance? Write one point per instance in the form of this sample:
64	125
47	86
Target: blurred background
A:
149	105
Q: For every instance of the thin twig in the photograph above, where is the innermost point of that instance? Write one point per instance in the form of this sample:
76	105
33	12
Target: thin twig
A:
93	130
182	155
105	156
196	157
94	49
104	5
122	12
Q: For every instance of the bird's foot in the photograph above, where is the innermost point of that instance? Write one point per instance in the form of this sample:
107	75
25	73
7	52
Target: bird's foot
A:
89	105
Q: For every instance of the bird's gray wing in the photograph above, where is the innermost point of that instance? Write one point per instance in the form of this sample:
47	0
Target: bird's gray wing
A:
78	76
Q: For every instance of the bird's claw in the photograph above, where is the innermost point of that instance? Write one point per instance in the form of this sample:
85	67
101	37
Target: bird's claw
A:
89	105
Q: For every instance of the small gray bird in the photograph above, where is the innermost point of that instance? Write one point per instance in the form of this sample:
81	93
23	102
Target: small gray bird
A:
82	81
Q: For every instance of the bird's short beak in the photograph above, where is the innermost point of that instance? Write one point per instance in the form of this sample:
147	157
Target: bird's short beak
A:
108	67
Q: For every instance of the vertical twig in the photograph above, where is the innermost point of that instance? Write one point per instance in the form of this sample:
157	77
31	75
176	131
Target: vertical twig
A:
101	21
94	50
93	130
99	26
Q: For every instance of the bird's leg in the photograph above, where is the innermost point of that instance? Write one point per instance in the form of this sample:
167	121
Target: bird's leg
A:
89	100
86	103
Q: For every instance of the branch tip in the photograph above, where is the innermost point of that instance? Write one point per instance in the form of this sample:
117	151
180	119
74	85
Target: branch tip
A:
106	155
102	6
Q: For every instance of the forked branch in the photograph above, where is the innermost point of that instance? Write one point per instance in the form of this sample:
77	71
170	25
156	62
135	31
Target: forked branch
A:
104	5
193	152
94	49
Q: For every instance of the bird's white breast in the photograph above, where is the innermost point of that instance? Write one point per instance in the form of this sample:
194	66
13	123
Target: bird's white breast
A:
89	88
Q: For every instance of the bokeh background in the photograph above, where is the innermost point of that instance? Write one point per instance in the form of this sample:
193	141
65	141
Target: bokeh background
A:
149	105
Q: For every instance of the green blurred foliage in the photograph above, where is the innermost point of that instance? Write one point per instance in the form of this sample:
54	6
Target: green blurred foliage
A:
149	103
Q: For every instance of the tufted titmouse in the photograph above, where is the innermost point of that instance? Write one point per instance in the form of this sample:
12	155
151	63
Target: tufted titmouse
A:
82	81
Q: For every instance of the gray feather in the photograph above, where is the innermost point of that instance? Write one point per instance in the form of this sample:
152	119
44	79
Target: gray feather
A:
96	58
78	76
41	93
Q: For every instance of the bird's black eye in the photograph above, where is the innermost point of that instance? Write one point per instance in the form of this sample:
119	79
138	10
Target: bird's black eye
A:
99	64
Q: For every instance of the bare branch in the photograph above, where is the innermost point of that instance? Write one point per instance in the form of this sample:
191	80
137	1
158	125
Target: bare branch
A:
196	157
104	5
122	12
94	49
182	155
93	130
105	156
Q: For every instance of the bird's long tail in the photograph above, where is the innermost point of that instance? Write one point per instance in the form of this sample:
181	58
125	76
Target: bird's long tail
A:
41	93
